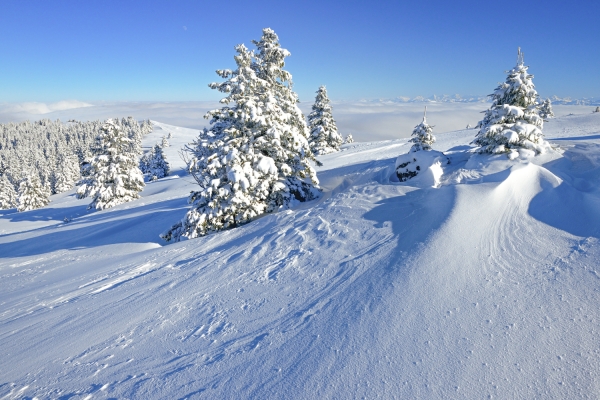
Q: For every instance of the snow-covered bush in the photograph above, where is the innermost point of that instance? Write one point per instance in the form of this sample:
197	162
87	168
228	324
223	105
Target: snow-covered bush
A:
597	110
545	109
254	158
349	139
8	195
114	174
324	137
32	194
512	121
164	143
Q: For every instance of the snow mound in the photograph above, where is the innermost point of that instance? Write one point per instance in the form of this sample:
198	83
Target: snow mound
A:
424	168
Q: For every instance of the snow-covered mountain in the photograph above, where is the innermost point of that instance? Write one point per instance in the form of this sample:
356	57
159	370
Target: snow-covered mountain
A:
486	286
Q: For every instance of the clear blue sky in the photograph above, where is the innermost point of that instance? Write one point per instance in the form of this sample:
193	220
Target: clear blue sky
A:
128	50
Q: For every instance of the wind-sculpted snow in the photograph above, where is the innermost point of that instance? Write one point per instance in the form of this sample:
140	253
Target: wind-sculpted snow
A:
486	286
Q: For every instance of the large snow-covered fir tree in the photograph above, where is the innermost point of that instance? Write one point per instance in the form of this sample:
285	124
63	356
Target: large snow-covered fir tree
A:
8	195
254	158
324	137
114	174
422	135
512	121
32	193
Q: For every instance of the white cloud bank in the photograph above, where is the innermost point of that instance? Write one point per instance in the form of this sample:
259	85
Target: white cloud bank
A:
366	121
35	108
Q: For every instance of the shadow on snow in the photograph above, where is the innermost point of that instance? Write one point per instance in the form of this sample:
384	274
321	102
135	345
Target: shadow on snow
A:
95	228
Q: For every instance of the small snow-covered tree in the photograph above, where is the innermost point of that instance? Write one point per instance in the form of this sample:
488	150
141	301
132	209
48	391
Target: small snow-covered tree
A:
349	139
421	159
324	136
8	195
114	174
545	109
422	135
164	142
66	174
254	158
512	121
158	167
32	194
597	110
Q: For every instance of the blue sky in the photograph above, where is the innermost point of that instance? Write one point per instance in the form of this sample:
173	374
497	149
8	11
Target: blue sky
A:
168	50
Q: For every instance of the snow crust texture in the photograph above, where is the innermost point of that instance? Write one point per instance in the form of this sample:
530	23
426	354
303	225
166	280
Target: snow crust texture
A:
485	286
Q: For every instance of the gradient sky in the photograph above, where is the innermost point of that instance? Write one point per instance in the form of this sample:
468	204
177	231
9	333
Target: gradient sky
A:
130	50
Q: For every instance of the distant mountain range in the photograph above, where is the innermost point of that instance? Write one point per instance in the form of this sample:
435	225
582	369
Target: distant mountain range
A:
591	101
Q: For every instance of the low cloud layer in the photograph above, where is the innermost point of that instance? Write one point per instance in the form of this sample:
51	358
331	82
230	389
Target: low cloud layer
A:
366	121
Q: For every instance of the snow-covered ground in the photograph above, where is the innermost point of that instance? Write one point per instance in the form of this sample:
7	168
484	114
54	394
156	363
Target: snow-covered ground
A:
487	286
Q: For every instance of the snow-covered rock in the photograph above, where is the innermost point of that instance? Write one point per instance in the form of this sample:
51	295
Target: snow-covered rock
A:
423	168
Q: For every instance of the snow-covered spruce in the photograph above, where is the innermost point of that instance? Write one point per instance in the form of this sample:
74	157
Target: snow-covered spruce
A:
512	121
349	139
8	195
324	137
422	135
164	143
421	159
32	193
545	110
254	159
114	174
155	163
67	173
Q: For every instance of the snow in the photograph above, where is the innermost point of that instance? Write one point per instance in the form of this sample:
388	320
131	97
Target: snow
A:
266	165
486	286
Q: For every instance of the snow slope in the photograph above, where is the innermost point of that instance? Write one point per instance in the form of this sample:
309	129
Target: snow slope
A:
487	286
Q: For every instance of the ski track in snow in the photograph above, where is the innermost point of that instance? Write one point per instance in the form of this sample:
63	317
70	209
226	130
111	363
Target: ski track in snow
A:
484	287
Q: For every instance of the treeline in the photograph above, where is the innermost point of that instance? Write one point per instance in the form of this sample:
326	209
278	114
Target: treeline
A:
54	153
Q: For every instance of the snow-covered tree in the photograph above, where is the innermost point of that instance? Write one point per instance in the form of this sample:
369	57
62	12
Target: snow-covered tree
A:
114	174
8	195
32	194
512	121
349	139
254	158
545	109
421	159
422	135
324	137
164	143
597	110
158	167
66	174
